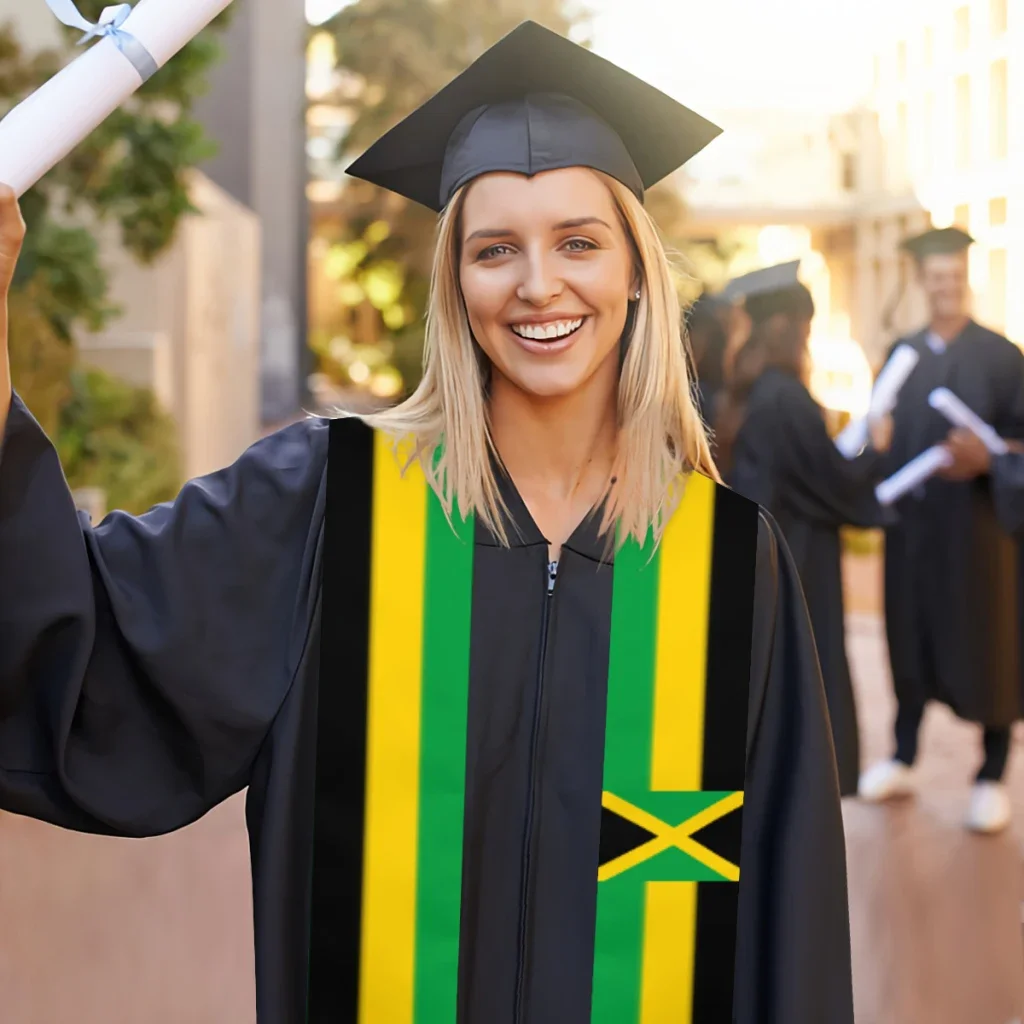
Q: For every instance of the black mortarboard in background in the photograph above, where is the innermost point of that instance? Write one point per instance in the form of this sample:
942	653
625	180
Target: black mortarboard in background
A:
937	242
763	281
535	102
771	290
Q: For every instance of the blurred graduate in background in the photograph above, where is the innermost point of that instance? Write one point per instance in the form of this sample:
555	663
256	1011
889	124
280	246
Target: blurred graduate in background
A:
951	578
781	455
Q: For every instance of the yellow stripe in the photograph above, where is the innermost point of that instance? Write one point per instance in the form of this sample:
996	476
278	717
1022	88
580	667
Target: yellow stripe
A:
678	742
387	969
667	991
683	598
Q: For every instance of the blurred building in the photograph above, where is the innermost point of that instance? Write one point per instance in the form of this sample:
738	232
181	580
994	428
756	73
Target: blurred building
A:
255	110
938	141
952	142
189	329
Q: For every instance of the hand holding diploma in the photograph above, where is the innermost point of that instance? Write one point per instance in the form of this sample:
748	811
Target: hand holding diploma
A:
133	43
12	233
943	400
856	434
913	474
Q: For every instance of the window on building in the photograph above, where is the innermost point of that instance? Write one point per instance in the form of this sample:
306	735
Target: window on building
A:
962	28
997	211
962	216
997	288
963	121
928	142
848	171
929	46
902	134
901	61
997	16
999	114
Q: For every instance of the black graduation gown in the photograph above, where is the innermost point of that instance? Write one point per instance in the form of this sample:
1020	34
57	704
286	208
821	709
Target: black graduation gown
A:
950	568
150	667
785	460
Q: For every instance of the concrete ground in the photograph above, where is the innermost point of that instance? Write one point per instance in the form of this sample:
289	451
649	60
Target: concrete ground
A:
99	931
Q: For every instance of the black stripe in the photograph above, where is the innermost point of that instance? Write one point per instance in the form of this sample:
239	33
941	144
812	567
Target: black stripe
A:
340	794
730	633
714	965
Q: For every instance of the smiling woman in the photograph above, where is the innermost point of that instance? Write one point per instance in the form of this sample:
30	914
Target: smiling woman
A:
572	316
530	717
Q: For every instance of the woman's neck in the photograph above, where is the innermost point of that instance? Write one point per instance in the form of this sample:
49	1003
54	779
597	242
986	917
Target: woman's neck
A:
560	452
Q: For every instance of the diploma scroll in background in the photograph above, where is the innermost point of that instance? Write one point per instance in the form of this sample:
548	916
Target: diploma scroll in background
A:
46	126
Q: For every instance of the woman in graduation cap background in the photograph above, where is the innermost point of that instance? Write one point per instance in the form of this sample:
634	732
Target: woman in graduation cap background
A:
533	731
781	455
951	578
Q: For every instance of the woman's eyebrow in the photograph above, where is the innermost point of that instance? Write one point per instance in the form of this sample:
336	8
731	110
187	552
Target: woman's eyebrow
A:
581	222
491	233
576	222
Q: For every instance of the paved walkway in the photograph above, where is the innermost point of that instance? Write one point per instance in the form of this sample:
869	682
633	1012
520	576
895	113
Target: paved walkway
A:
98	931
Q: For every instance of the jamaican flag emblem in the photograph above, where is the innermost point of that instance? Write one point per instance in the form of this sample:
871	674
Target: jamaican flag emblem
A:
391	755
675	755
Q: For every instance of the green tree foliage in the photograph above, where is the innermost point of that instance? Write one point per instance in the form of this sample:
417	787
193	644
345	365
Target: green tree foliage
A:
130	171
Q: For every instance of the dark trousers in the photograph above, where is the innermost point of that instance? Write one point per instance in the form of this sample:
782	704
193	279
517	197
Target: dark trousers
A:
996	743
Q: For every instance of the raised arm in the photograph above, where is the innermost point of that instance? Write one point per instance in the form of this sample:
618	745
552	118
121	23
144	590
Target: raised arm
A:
142	662
12	232
820	484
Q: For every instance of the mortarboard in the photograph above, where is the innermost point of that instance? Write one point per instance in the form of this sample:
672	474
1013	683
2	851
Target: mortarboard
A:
534	102
936	242
779	278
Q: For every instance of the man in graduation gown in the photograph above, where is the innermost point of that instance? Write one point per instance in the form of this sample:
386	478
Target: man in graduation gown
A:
950	568
419	715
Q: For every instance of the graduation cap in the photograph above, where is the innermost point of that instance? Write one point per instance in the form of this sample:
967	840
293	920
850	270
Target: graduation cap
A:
535	102
771	290
781	277
937	242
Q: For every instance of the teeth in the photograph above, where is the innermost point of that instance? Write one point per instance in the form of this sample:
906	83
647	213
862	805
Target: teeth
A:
545	332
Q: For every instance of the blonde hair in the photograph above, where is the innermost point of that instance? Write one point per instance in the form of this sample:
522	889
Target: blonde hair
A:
661	435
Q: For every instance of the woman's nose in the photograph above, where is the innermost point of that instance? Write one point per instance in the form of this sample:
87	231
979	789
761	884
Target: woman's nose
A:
540	284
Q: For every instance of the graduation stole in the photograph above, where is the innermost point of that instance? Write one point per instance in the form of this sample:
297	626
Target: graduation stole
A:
390	772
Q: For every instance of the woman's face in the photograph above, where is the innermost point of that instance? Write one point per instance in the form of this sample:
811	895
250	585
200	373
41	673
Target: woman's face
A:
547	272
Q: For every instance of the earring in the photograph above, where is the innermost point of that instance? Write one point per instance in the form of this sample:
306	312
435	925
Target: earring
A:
636	297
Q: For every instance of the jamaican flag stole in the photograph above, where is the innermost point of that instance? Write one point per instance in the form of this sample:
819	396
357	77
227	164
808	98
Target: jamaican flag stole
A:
675	757
389	784
391	753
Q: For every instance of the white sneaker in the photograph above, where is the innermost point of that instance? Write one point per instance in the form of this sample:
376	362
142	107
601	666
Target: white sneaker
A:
989	810
886	780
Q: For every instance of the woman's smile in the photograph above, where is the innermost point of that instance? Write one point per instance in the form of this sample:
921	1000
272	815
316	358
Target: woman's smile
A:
549	336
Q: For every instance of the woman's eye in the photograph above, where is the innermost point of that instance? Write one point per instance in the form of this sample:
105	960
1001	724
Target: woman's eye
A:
579	245
492	251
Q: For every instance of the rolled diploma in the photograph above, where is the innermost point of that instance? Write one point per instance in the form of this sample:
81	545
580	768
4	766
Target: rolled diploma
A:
852	439
914	473
47	125
943	400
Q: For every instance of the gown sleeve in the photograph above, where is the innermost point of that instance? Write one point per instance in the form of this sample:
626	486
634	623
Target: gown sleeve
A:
818	483
142	661
793	954
1008	491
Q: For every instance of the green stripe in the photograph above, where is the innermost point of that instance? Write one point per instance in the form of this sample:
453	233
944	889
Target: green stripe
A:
446	642
618	947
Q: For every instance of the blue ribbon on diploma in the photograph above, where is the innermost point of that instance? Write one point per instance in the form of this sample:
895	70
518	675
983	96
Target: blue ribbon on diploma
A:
109	25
